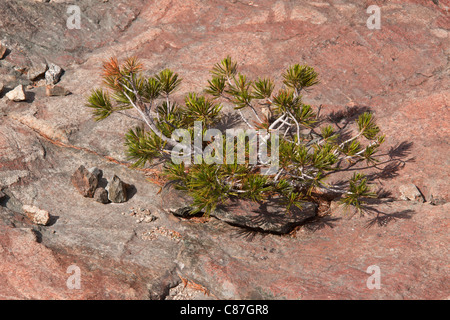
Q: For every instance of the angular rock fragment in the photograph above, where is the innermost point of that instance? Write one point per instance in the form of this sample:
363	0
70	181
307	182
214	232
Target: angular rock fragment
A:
18	94
53	91
36	215
411	192
36	71
101	195
268	217
85	182
53	74
117	191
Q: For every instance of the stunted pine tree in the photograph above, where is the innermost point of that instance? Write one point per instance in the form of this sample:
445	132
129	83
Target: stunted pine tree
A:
310	147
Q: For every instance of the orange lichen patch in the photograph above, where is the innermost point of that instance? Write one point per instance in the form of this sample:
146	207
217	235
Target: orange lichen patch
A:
195	286
199	219
154	176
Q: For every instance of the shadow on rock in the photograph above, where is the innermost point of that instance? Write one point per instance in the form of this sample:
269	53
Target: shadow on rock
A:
270	217
131	191
382	218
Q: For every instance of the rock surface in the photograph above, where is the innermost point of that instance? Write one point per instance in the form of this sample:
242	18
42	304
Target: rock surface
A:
410	192
399	72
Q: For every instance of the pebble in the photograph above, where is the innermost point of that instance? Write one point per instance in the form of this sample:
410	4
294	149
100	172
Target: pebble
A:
36	215
18	94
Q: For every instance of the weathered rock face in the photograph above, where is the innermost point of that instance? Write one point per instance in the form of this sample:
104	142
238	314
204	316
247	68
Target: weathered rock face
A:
32	271
399	72
33	35
176	202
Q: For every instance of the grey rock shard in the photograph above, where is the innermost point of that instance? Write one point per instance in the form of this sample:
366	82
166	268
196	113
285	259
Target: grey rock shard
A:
117	191
53	74
101	195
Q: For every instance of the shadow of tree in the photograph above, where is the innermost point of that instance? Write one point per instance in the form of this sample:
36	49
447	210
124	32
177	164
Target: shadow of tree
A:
401	150
320	223
249	235
268	217
342	118
382	218
229	120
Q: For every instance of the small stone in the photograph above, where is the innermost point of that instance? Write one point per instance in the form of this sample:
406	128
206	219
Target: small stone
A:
101	195
117	191
18	94
434	200
53	74
55	91
148	219
36	71
1	87
411	192
2	50
85	182
36	215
